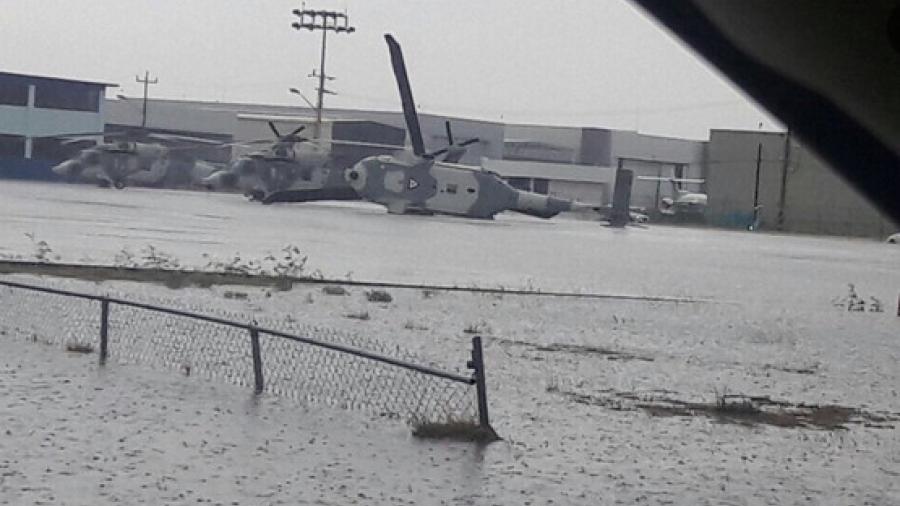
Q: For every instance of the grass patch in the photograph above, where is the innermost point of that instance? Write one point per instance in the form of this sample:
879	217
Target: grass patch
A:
477	328
411	325
735	405
79	348
363	315
595	350
334	290
379	296
455	430
743	410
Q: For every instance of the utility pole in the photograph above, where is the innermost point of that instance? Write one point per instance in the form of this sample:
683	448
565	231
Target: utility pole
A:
146	82
785	165
326	21
755	224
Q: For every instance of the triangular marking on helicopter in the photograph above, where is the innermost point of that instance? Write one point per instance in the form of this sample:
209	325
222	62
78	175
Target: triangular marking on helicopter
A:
413	184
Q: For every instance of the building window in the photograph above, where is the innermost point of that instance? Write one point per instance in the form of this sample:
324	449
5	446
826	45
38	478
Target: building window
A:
68	96
12	145
541	186
56	148
12	93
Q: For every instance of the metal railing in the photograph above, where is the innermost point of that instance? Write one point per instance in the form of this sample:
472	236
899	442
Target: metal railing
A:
420	409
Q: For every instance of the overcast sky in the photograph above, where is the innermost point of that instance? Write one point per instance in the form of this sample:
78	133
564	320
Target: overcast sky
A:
600	63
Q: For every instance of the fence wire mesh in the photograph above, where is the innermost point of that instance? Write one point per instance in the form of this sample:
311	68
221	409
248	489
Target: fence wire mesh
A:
297	370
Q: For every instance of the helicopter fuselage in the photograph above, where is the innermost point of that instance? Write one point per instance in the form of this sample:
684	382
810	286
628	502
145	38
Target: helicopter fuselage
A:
429	186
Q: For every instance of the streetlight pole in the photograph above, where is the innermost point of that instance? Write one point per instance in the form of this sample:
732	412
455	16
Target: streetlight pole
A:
326	21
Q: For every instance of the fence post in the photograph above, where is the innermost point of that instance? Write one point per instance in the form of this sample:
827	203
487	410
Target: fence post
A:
257	360
481	390
104	329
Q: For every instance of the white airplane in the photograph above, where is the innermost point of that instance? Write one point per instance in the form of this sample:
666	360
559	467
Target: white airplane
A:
684	202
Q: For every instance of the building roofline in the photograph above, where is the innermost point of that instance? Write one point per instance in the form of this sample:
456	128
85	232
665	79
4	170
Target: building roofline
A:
746	131
54	78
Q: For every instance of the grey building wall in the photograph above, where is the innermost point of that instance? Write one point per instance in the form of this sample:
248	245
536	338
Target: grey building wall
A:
596	147
585	183
731	177
816	199
542	143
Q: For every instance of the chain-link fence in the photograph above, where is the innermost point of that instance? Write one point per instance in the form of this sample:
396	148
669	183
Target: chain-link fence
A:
286	358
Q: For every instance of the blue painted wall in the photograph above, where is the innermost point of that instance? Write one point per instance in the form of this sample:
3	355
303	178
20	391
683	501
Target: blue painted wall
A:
21	168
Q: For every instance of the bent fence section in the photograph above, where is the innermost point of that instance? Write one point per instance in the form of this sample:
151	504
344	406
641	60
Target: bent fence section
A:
287	358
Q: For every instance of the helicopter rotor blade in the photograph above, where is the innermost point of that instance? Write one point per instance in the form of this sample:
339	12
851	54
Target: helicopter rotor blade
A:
297	131
406	98
274	129
467	142
81	136
449	132
187	138
363	144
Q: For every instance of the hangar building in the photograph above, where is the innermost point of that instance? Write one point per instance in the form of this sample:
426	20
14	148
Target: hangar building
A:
552	150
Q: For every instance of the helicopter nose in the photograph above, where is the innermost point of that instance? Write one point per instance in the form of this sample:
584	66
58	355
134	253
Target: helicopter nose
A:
356	176
67	168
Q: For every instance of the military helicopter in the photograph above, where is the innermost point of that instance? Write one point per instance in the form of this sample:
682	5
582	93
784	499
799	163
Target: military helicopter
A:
682	204
117	163
417	183
292	169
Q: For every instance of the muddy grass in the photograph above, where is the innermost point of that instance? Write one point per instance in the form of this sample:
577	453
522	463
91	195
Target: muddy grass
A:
576	349
181	278
812	369
597	350
79	348
741	410
455	430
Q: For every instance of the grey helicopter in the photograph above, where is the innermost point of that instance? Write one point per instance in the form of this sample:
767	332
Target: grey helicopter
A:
120	163
294	168
419	183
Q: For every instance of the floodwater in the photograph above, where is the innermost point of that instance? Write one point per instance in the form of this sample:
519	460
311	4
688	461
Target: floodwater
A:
567	377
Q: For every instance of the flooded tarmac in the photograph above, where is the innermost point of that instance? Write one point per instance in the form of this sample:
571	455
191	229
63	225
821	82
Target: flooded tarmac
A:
598	401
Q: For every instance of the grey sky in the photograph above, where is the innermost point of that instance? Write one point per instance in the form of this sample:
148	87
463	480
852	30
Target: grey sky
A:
579	62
